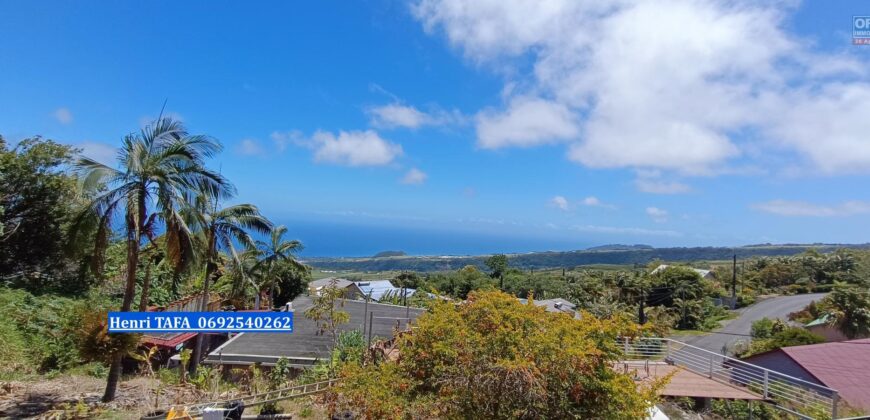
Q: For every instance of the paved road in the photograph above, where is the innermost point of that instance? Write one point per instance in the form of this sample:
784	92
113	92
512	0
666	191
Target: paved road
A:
737	329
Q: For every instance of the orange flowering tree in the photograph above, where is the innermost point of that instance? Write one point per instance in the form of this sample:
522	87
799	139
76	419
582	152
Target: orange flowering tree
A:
493	357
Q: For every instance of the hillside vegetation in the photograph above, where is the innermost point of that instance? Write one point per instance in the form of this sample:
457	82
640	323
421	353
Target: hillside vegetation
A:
625	255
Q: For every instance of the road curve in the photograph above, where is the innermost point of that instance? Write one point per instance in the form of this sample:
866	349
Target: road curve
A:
739	328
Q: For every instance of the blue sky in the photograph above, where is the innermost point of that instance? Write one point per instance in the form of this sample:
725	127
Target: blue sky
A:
451	127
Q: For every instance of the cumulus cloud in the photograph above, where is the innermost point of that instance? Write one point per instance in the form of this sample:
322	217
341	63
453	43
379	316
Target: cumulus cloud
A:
657	215
593	201
282	139
657	186
414	176
63	115
352	148
250	147
406	116
716	76
527	122
560	202
652	182
802	208
397	115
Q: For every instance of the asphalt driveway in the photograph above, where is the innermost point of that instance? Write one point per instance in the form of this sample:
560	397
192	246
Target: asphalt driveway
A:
721	339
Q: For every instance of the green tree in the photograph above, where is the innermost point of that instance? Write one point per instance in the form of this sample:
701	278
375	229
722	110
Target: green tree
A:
290	281
787	337
219	227
277	250
848	309
326	310
241	275
494	357
767	328
497	265
39	199
407	279
160	167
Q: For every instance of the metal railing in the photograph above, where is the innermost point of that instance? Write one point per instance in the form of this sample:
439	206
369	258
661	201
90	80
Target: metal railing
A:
794	395
196	410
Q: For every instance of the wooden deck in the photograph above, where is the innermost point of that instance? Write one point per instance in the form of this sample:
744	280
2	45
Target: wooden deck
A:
685	383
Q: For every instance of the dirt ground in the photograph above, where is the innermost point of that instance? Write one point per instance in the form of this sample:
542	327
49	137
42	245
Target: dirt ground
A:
79	397
81	394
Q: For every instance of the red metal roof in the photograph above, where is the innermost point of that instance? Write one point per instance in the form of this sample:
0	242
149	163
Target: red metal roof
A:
168	339
843	366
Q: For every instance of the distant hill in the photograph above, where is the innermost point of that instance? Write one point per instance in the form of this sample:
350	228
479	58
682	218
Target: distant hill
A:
619	247
608	254
385	254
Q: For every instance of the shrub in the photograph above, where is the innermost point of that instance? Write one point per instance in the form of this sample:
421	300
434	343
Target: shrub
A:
766	327
790	336
493	357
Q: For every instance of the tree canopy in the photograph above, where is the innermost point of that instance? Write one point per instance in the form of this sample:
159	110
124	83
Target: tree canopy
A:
38	198
493	357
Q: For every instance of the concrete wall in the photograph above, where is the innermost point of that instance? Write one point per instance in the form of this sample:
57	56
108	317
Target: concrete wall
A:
830	333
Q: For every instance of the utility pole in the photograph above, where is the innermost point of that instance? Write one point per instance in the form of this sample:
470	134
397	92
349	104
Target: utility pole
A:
641	316
734	284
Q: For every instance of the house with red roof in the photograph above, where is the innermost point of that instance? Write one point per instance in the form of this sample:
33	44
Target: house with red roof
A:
843	366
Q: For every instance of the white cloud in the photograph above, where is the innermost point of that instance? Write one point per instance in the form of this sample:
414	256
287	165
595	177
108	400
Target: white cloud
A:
63	115
527	122
593	201
829	127
560	202
286	138
352	148
802	208
397	115
657	186
715	79
414	176
650	181
250	147
657	215
100	152
626	230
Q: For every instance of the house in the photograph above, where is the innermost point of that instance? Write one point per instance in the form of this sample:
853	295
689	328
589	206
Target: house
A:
843	366
705	274
352	291
378	289
307	343
822	328
171	343
556	305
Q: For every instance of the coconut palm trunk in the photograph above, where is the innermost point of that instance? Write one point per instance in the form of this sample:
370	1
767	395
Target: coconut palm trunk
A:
210	267
114	376
220	227
146	287
158	169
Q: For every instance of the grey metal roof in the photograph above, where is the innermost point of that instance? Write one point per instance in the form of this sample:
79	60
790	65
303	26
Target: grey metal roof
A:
378	288
339	283
304	345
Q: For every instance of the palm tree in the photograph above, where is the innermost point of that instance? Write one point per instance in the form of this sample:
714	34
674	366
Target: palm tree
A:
243	266
220	227
160	168
276	251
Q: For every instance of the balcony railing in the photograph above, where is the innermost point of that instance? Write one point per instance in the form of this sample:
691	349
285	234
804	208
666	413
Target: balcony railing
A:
793	395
